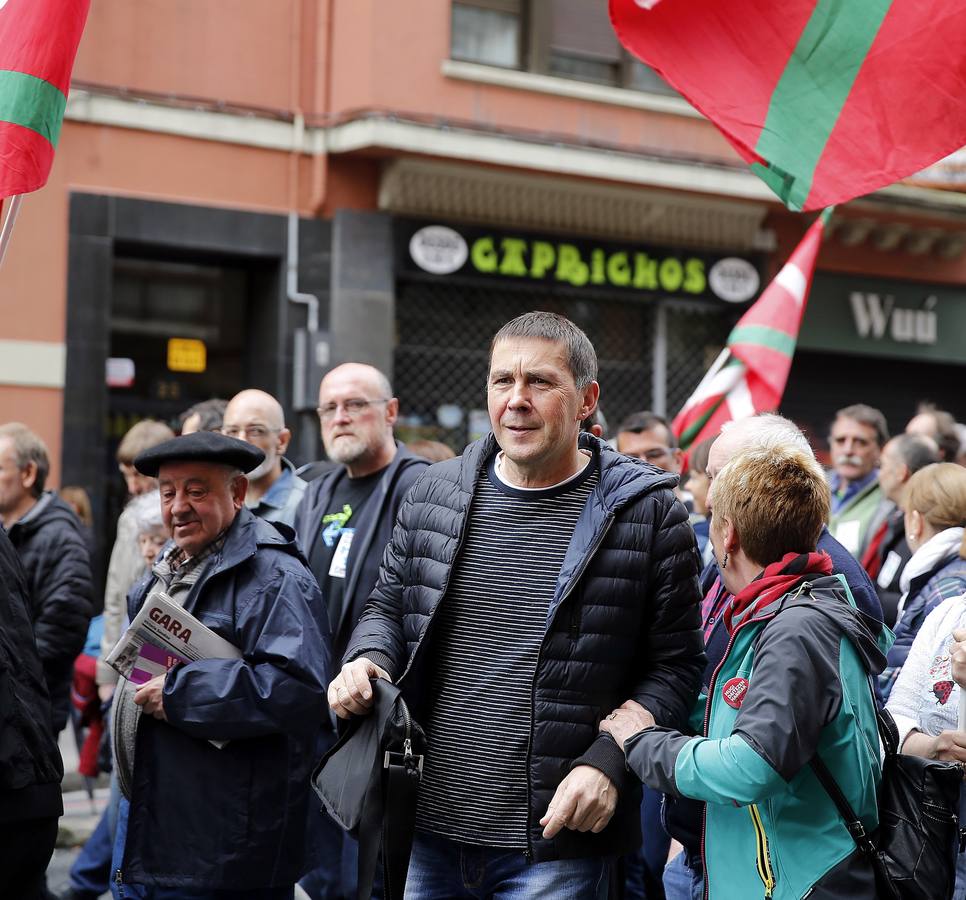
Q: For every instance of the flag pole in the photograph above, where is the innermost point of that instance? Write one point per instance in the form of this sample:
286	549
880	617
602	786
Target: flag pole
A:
8	224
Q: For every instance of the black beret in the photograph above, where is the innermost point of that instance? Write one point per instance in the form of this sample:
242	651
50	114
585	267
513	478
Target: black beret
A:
202	446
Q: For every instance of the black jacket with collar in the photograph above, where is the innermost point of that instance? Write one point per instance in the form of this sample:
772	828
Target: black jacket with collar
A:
53	549
30	765
624	623
373	525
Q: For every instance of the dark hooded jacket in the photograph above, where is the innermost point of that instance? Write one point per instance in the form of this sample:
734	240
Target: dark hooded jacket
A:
373	524
623	624
794	682
30	764
234	818
53	549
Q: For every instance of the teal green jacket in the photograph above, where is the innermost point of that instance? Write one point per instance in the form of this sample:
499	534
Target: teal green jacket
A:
794	682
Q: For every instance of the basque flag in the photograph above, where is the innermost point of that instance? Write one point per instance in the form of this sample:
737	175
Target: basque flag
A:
38	43
826	99
751	373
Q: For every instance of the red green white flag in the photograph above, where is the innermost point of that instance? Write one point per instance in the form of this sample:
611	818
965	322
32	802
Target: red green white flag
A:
750	374
826	99
38	43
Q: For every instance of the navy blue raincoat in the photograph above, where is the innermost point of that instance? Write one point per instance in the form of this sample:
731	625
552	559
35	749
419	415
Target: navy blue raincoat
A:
234	818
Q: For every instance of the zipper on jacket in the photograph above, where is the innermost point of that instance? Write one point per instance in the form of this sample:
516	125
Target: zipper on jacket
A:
704	731
765	871
609	520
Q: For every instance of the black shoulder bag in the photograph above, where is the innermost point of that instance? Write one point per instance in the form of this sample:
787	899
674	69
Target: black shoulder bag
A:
369	783
913	851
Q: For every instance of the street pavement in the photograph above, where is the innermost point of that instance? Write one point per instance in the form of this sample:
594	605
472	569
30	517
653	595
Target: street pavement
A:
81	813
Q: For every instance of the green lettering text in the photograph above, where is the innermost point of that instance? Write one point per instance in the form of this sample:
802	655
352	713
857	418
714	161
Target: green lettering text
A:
694	278
513	262
619	270
542	258
570	267
645	272
483	255
597	275
671	274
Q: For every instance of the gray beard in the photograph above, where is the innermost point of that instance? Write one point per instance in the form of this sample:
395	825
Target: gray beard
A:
346	450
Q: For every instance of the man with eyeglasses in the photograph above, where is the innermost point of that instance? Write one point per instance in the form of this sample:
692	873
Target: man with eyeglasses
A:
274	490
344	523
645	435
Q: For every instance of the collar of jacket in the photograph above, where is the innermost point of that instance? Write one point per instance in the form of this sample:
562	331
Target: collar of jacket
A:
934	554
622	478
246	535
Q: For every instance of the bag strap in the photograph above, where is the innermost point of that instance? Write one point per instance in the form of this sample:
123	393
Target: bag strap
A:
852	822
389	817
399	822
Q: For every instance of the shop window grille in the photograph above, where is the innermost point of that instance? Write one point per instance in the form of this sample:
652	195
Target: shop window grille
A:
443	340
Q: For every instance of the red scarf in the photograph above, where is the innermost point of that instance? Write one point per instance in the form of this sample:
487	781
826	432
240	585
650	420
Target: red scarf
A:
777	579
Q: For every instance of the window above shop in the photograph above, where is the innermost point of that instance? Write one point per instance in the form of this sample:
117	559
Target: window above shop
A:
571	39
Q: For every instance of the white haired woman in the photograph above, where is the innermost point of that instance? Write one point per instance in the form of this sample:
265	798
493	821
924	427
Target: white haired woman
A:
794	682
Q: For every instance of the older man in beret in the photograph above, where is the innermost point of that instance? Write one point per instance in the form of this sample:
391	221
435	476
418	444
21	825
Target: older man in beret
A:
199	820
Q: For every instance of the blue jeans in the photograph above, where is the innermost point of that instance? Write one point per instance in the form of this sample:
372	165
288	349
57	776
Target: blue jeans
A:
681	881
128	891
91	872
643	869
441	869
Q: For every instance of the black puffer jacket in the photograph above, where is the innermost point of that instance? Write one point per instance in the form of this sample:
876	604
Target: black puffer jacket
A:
624	623
53	550
30	765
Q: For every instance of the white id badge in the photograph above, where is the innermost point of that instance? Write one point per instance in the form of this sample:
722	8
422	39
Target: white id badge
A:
341	555
889	569
848	534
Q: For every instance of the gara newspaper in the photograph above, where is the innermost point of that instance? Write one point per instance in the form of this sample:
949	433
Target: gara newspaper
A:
163	635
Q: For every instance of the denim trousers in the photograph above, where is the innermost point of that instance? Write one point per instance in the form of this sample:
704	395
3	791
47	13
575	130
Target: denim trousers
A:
682	881
643	869
441	869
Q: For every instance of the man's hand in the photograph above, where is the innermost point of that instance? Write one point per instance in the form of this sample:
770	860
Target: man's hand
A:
150	696
585	801
957	655
350	693
628	719
105	692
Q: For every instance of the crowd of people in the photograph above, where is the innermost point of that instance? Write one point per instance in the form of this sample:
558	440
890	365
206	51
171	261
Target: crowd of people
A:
625	657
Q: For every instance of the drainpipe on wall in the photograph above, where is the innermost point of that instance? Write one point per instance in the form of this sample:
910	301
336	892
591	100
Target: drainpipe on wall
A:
309	351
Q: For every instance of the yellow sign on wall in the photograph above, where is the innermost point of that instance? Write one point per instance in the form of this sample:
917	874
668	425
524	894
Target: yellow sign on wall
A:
187	355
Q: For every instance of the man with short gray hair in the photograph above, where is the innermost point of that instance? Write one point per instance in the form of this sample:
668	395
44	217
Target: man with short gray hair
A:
53	550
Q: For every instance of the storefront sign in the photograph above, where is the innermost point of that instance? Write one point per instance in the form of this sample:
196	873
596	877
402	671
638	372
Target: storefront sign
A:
873	317
470	251
186	355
